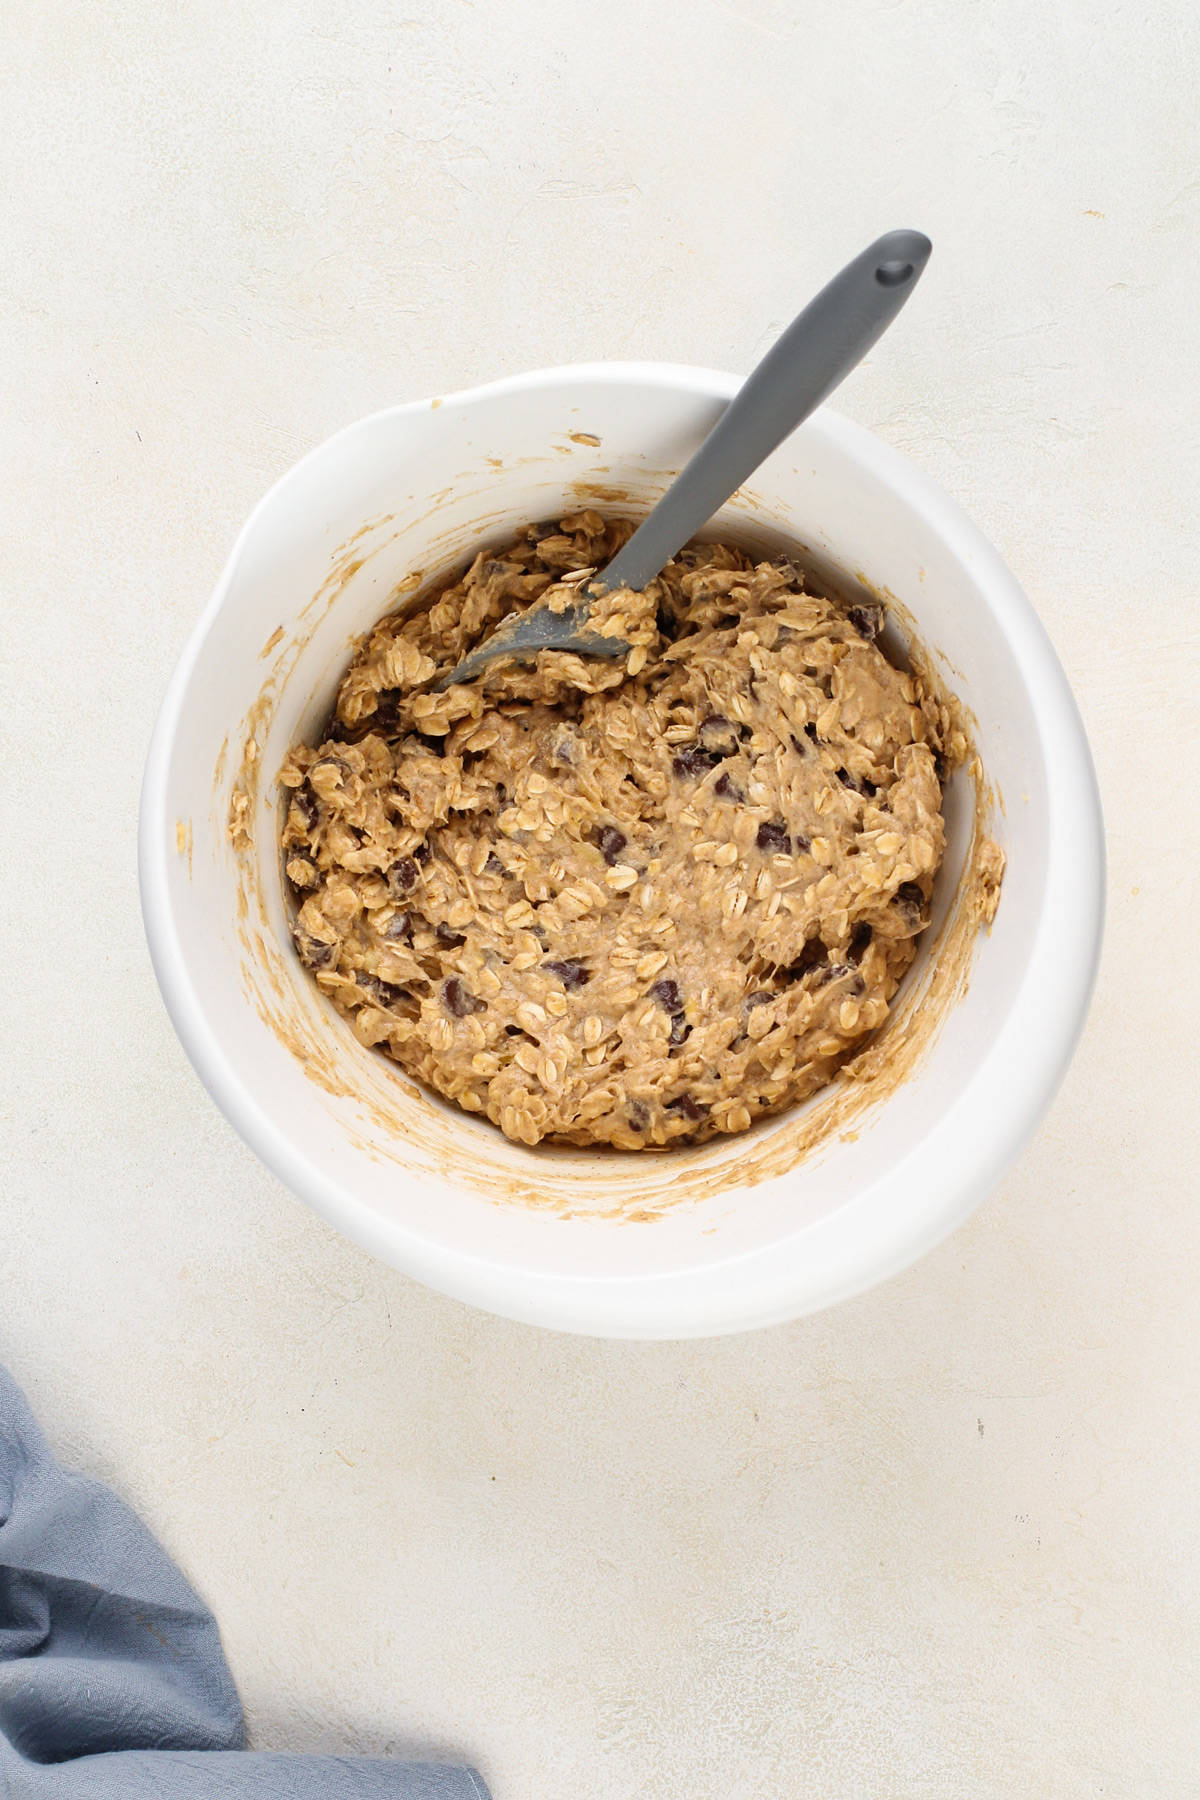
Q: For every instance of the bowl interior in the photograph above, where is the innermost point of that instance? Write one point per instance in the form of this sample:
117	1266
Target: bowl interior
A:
411	493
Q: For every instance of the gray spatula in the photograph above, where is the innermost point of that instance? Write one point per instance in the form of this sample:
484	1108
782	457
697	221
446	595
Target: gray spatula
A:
815	353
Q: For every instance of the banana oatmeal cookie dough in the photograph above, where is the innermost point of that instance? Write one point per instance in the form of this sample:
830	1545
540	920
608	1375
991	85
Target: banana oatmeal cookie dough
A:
633	903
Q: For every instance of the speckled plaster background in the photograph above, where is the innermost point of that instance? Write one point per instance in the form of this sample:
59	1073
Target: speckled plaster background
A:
939	1542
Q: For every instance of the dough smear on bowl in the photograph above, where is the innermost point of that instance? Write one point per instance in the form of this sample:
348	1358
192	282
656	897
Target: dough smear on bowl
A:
633	903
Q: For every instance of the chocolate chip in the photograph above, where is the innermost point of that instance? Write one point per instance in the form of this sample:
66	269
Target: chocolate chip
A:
305	803
334	762
571	972
860	938
815	955
867	620
402	876
387	993
610	842
725	789
910	904
386	717
839	971
313	953
773	839
638	1114
421	853
859	783
810	732
666	621
803	844
693	759
685	1107
718	736
399	927
449	940
681	1031
458	1000
666	994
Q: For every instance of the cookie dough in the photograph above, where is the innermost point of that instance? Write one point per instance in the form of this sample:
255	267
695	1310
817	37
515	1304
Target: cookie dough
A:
633	903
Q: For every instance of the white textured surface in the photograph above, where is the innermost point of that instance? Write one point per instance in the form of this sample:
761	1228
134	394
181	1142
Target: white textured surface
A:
940	1541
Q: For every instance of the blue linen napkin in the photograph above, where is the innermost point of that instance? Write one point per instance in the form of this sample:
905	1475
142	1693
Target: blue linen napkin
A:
113	1685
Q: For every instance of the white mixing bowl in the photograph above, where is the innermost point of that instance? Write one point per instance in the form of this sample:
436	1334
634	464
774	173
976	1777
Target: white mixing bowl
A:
741	1232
